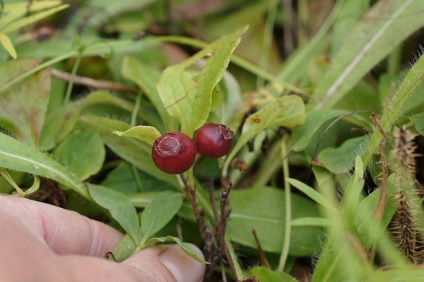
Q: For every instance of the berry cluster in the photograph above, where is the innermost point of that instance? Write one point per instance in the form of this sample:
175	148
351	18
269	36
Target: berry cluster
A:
175	152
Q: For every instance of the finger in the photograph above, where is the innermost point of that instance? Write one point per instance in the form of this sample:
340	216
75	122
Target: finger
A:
162	263
168	261
66	232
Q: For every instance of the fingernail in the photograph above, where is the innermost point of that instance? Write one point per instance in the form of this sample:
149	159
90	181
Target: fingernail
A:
182	266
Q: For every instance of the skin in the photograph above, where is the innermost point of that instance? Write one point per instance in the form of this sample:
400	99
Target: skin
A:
41	242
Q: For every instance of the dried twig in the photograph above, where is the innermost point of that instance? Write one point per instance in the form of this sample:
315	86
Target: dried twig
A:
97	84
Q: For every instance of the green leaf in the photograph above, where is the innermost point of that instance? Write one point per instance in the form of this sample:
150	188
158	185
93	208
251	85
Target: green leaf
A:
124	249
144	133
159	212
23	106
190	101
119	207
33	18
186	248
58	124
418	121
368	229
312	194
16	155
341	159
82	152
405	274
399	103
287	111
263	209
265	274
8	45
147	79
379	32
128	179
303	134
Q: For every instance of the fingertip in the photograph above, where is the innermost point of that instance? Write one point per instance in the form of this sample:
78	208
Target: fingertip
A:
182	266
167	263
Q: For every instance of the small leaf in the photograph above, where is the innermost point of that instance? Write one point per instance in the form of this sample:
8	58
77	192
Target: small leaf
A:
18	156
287	111
303	134
124	249
313	194
159	212
8	45
189	251
144	133
82	152
188	100
119	207
341	159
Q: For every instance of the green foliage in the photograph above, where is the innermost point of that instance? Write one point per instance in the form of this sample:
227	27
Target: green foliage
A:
297	86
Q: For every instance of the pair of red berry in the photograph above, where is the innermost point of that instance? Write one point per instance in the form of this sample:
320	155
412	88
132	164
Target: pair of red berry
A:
175	152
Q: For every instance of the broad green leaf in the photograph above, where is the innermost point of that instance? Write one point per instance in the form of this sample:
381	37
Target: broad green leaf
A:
119	207
312	194
144	133
184	246
159	212
18	156
265	274
350	13
303	134
263	209
129	180
341	159
130	149
81	152
23	106
188	100
287	111
373	38
8	45
147	79
418	121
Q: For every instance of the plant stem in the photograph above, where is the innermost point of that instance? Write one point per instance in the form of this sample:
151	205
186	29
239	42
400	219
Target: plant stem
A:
287	192
71	80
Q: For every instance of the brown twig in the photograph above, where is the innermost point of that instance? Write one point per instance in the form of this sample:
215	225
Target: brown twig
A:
262	257
380	128
382	185
97	84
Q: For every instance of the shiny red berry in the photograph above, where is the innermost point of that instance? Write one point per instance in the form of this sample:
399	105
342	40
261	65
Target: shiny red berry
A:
213	140
174	152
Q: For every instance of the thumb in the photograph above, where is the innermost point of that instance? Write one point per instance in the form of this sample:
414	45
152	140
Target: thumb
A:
166	263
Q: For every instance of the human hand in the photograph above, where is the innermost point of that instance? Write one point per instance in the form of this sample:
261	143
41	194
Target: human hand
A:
41	242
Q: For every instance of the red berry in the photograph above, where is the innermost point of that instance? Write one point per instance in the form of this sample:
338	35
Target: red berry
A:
174	152
214	140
